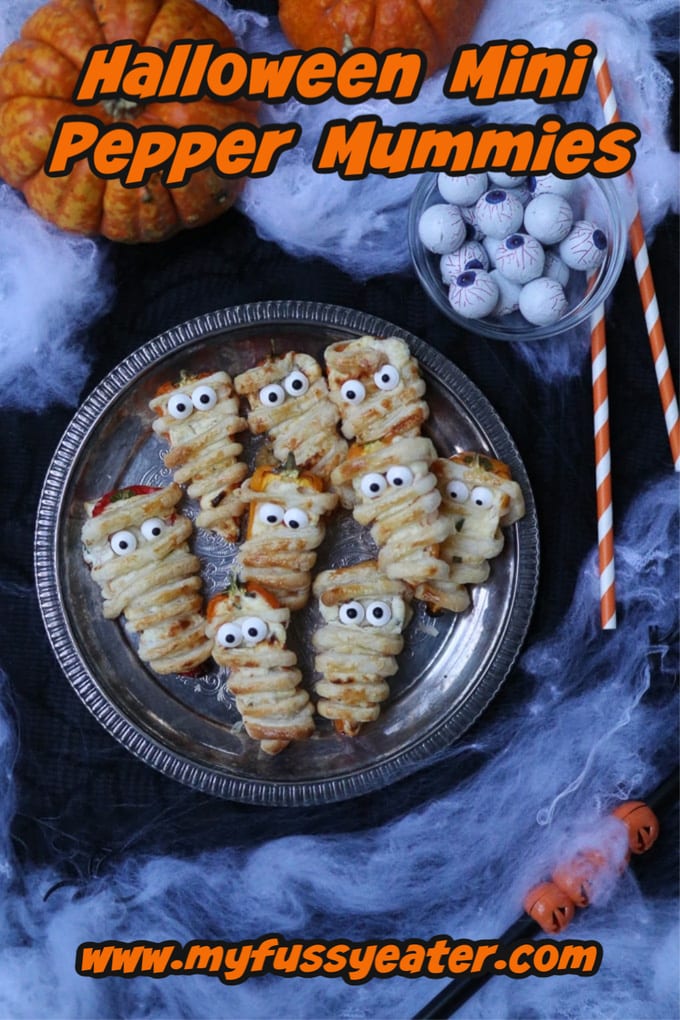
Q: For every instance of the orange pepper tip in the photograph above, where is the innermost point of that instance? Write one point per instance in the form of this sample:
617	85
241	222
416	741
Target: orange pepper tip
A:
237	591
482	460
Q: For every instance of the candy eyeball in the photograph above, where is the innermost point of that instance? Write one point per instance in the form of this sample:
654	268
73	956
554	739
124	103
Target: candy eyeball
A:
229	635
457	491
548	218
270	513
295	518
353	391
502	180
351	613
441	228
180	406
482	497
296	383
469	218
272	395
254	630
203	398
153	528
584	247
463	190
555	269
399	477
387	377
542	184
508	294
378	613
123	543
542	301
499	213
471	255
373	485
473	294
490	245
520	257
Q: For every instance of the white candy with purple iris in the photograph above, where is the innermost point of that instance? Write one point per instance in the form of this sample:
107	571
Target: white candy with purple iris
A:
470	255
473	294
520	257
510	244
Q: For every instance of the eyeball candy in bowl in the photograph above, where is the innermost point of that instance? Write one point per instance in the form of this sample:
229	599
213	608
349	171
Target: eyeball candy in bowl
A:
508	294
549	184
441	228
505	180
499	213
473	294
470	255
520	257
594	247
584	246
542	301
548	218
555	269
463	190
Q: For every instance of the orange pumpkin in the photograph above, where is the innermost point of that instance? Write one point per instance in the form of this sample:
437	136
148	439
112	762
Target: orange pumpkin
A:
550	907
436	27
38	75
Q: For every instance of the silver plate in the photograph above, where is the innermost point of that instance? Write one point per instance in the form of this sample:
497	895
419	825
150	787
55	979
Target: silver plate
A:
451	666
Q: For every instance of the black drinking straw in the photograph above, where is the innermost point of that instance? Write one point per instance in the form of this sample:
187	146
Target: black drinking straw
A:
458	991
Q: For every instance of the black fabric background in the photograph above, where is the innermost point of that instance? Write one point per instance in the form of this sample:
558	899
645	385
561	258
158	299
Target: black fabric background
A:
83	802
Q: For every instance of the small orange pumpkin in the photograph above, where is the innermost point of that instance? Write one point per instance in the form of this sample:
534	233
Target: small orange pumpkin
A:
550	907
641	823
435	27
38	76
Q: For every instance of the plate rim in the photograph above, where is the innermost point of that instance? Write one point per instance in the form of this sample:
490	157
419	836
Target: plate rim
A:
257	791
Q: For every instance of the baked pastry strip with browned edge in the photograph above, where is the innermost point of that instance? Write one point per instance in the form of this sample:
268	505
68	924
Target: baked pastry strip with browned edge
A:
289	403
136	544
364	615
395	495
247	631
199	417
286	524
377	387
479	499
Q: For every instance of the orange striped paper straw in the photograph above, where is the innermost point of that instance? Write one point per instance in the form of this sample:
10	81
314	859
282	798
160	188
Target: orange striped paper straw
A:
603	472
643	272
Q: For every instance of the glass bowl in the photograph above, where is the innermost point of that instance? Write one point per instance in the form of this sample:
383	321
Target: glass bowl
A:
593	198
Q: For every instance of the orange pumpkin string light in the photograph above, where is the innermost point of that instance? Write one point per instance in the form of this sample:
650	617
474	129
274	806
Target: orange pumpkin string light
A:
552	905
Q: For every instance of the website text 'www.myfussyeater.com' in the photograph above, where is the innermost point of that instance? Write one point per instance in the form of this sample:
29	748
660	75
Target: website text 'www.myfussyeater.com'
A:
354	962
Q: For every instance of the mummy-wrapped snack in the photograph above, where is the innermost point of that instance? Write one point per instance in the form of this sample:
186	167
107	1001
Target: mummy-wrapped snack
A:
199	417
247	632
289	403
136	544
286	524
364	615
479	498
395	494
377	387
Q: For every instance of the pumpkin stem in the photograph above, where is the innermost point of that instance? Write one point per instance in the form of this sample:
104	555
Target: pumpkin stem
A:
120	108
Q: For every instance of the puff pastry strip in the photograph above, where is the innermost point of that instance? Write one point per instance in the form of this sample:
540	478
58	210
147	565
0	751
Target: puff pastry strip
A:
289	402
479	499
377	388
247	631
285	526
138	552
364	614
200	417
396	495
